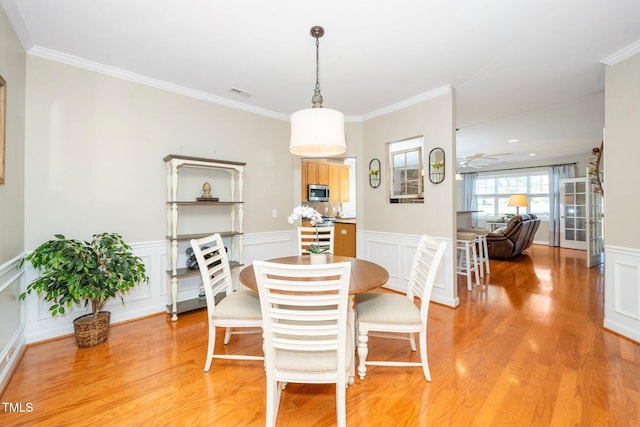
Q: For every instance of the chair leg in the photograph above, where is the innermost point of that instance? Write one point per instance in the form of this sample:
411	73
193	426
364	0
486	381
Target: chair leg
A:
363	350
423	355
480	252
211	347
412	341
272	402
474	254
341	403
227	336
485	248
467	256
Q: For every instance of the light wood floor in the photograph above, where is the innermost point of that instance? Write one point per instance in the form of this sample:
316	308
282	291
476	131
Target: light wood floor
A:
527	348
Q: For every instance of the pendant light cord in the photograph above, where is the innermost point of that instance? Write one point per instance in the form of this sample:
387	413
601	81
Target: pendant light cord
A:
316	99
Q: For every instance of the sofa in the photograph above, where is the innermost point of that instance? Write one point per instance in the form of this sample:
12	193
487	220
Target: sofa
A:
510	241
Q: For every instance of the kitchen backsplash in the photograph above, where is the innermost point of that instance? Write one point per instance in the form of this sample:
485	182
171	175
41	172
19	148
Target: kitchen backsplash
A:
327	208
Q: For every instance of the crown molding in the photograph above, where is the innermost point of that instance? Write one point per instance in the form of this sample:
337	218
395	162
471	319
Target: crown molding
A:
622	54
148	81
408	102
75	61
17	21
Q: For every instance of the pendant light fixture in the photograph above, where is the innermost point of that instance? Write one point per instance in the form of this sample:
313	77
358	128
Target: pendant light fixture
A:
317	131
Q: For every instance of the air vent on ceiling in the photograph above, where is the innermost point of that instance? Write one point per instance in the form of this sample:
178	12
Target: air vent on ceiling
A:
241	92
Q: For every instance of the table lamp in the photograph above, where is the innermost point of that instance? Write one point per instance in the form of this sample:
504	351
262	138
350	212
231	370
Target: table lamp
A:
518	200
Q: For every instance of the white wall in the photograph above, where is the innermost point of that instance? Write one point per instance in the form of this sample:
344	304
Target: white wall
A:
388	223
12	70
95	146
622	197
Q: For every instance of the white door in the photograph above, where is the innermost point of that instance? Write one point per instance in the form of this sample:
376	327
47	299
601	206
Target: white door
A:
573	213
595	231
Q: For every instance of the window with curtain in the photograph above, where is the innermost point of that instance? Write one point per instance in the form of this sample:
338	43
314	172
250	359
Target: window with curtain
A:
492	193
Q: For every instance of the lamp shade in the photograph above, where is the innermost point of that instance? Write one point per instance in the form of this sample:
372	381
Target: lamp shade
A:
317	132
518	201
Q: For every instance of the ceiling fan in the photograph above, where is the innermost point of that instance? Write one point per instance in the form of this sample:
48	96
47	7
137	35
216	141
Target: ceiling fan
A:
466	162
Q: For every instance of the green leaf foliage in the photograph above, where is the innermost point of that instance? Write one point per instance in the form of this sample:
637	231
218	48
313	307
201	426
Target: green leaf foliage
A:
75	272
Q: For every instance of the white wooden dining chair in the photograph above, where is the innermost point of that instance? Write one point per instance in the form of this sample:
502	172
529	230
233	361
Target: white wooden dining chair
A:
307	338
238	311
398	316
321	236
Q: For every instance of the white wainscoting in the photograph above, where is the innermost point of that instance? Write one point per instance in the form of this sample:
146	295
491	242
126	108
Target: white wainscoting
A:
622	291
147	298
12	339
395	253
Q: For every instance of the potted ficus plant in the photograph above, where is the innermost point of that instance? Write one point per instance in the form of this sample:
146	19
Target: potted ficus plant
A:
82	272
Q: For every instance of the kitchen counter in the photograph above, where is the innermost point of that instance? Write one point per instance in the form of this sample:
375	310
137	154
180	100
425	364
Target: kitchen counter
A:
346	220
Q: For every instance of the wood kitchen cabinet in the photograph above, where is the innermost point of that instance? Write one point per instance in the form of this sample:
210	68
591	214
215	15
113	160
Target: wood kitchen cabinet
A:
304	169
344	239
334	183
344	183
335	175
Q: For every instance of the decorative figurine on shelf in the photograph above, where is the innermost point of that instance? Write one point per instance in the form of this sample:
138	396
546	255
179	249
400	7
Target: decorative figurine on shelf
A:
206	194
206	190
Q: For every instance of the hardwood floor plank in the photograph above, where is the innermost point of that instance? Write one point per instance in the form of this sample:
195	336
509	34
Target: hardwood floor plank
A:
525	348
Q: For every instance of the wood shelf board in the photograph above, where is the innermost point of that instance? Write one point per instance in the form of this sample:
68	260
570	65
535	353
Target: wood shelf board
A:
183	272
196	203
201	159
183	237
189	305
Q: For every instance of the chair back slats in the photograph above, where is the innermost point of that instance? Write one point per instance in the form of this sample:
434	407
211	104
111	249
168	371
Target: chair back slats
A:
319	236
304	306
216	277
424	269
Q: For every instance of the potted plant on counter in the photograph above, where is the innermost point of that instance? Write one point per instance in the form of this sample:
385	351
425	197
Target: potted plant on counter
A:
81	272
317	252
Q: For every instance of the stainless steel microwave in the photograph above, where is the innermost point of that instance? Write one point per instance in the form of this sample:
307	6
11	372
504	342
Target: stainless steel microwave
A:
318	193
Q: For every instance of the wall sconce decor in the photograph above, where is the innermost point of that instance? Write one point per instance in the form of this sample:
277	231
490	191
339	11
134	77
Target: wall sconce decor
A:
374	173
436	165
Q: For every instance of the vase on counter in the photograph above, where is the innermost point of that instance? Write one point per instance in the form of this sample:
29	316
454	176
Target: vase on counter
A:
317	258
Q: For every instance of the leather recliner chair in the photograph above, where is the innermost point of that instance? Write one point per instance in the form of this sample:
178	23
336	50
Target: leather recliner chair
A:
516	237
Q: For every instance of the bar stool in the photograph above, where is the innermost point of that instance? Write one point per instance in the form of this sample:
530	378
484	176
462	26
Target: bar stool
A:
467	256
483	252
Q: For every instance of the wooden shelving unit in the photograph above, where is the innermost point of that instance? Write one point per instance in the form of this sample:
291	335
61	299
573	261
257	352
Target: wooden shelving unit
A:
227	213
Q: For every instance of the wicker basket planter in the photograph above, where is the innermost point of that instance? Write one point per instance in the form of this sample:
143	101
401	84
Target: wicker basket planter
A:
92	331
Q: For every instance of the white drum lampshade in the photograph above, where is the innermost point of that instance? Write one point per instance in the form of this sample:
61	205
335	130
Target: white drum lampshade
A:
317	132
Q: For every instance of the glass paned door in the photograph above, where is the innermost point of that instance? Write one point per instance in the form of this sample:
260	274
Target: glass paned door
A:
595	213
573	217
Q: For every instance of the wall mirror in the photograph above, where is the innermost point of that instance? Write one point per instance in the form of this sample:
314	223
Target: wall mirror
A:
374	173
436	165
